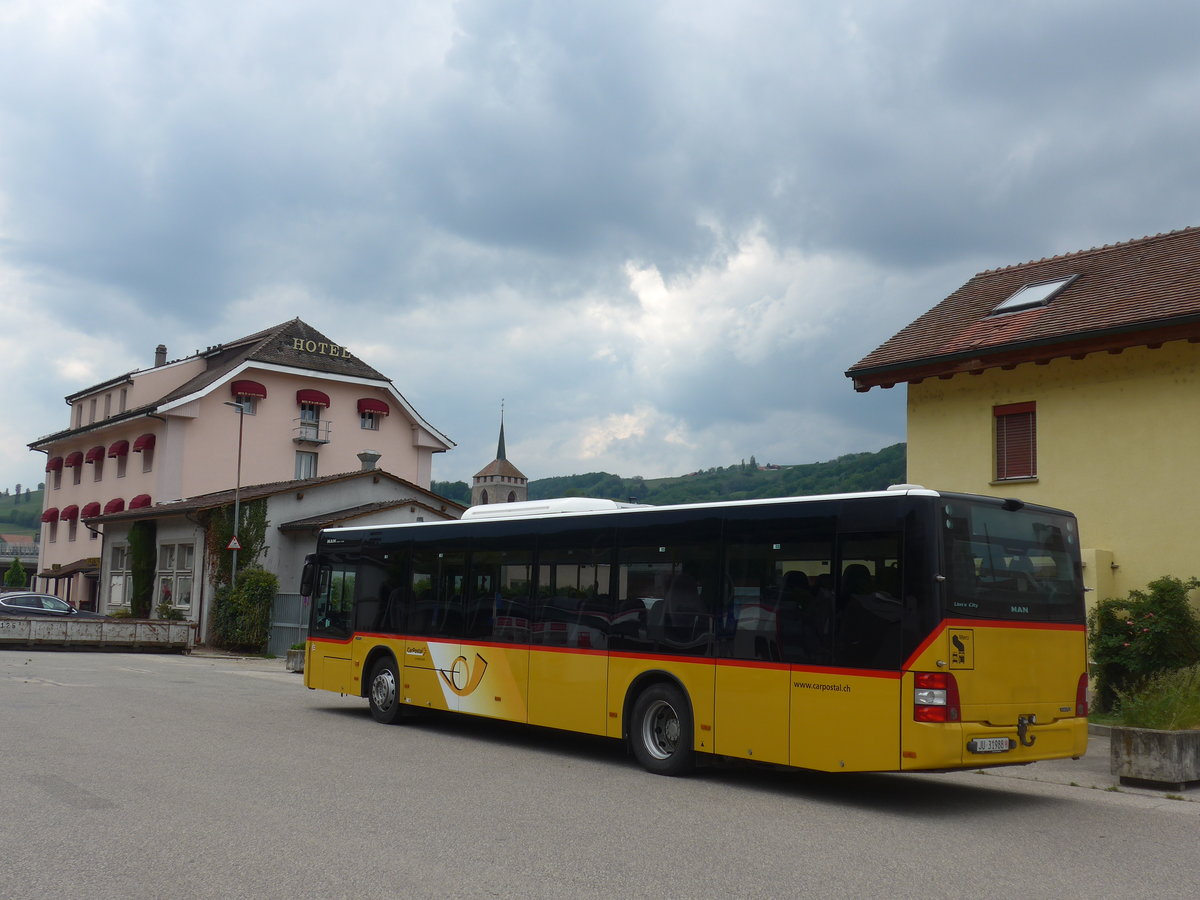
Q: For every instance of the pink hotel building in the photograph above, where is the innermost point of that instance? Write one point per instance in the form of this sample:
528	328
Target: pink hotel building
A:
155	440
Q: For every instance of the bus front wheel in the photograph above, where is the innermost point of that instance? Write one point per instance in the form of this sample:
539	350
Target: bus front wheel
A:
384	692
661	730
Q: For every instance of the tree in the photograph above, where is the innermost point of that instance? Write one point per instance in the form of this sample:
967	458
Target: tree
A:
15	576
143	562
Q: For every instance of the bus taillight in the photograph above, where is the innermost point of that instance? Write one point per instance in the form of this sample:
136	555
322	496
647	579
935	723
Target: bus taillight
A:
1081	700
935	697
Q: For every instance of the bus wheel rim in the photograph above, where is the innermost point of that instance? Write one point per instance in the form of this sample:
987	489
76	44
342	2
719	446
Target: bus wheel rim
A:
383	689
661	730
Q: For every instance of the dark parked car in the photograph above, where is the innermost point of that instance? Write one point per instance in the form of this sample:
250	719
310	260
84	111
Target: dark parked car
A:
30	604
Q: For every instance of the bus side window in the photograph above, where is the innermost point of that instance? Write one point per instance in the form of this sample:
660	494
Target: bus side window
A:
438	580
673	575
779	596
869	606
572	606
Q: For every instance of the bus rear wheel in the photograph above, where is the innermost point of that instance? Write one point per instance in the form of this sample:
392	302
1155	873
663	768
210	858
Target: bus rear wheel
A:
661	730
384	692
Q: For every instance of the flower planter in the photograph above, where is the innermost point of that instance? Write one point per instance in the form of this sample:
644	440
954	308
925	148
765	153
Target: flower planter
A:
295	660
1146	756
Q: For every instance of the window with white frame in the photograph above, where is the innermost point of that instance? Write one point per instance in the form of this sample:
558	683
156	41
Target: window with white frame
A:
119	576
249	405
306	464
369	421
175	563
148	459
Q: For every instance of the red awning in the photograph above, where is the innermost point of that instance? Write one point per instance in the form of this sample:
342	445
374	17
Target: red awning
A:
115	505
96	454
91	509
50	515
74	460
371	405
145	442
316	398
119	448
69	513
141	501
54	464
248	389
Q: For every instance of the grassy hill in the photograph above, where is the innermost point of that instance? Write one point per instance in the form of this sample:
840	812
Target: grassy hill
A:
744	481
20	515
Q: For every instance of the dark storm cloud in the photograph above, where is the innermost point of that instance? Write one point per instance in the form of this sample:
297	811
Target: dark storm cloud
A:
494	180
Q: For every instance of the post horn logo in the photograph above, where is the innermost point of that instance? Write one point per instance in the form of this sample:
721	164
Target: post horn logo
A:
462	677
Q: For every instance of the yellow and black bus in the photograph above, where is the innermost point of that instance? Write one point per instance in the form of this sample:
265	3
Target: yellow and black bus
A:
898	630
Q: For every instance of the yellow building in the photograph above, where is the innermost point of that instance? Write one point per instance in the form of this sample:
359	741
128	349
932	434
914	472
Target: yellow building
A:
1072	381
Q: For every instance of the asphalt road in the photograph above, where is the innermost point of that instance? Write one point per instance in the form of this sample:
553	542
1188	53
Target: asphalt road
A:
140	776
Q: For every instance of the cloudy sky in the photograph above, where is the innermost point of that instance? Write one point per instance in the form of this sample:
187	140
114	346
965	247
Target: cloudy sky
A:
661	232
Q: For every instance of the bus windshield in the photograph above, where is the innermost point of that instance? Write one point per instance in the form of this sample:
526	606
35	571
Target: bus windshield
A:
1007	561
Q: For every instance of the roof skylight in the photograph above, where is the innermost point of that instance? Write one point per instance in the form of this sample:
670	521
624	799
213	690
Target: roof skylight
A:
1032	295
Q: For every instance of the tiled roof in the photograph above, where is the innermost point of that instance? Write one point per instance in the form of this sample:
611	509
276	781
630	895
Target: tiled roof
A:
1141	292
275	345
87	566
341	516
284	344
500	468
250	492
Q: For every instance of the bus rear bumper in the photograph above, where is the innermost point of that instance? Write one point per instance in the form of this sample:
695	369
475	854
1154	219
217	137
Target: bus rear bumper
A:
977	745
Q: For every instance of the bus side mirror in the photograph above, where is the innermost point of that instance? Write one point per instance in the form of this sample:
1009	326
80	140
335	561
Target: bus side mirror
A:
308	579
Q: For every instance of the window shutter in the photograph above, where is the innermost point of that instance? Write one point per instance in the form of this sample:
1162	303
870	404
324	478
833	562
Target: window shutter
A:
1016	441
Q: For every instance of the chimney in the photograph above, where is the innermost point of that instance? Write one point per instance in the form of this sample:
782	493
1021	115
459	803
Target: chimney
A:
368	458
160	355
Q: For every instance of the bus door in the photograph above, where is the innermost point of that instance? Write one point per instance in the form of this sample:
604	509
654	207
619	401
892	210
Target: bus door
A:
328	665
778	614
845	713
569	631
434	669
492	677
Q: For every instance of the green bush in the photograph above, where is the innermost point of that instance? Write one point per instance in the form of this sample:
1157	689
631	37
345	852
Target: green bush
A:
1169	701
15	576
165	610
1146	633
242	616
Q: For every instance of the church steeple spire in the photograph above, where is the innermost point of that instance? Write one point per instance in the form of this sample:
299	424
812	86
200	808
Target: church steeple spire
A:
500	446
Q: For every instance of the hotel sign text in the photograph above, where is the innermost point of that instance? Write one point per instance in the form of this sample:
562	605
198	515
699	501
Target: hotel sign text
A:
320	347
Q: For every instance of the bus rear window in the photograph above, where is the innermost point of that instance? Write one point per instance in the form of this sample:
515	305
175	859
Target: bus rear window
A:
1011	563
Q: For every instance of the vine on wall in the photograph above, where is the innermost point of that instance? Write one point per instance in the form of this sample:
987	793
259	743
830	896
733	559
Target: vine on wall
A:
251	534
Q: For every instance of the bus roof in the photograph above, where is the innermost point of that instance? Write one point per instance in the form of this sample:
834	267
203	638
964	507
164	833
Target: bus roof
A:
579	506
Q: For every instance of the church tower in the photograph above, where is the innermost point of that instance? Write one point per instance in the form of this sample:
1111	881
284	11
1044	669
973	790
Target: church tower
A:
500	481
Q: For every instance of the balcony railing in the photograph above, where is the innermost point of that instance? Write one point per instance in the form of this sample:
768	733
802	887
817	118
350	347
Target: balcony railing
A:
23	551
305	431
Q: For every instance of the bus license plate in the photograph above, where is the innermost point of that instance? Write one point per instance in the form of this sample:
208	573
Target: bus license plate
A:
988	745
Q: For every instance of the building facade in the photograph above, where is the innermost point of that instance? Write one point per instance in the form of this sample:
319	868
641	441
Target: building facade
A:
284	404
1072	381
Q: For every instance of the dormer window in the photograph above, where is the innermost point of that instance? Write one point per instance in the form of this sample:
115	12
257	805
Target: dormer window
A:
1031	295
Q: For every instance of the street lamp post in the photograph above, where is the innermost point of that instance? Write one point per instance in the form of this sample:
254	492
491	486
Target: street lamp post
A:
237	492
